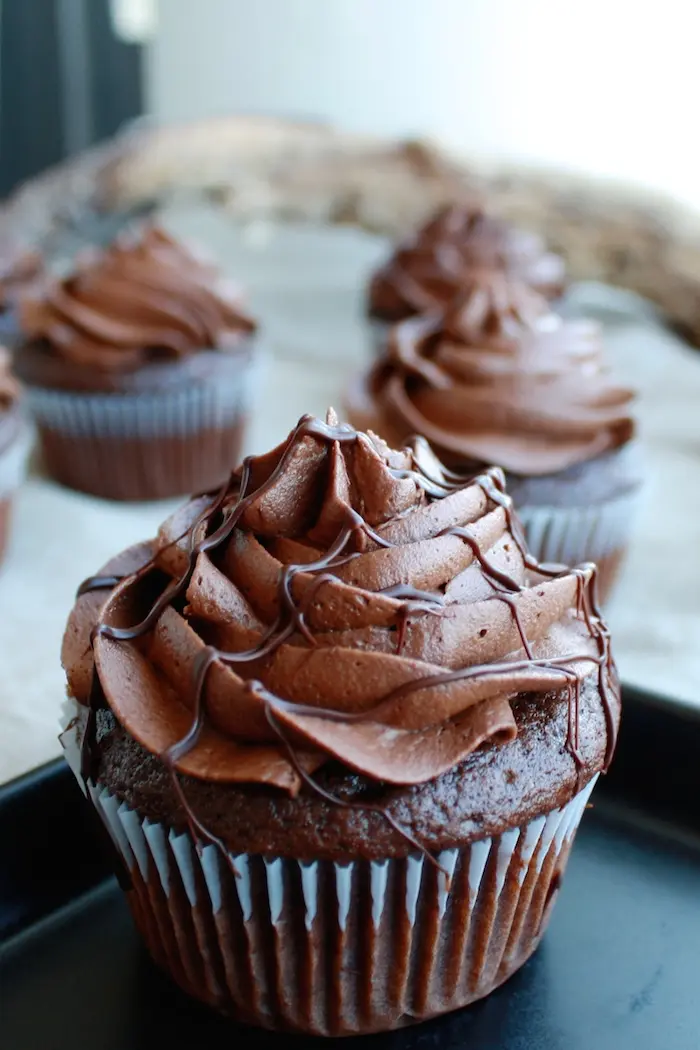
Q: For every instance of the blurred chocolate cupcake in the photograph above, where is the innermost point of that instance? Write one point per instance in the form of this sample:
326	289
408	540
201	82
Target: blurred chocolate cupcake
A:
425	272
14	445
498	378
341	729
138	368
20	269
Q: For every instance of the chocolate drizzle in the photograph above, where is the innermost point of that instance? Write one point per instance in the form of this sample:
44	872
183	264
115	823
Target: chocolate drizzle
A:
97	583
587	607
215	525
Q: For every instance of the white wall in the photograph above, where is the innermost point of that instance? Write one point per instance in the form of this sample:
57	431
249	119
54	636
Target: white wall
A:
610	86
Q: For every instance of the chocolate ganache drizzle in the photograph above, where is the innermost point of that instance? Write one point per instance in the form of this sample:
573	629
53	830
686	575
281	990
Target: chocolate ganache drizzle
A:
497	378
144	298
338	601
428	270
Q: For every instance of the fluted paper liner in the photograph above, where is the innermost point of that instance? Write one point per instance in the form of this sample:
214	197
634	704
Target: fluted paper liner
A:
571	535
339	948
147	445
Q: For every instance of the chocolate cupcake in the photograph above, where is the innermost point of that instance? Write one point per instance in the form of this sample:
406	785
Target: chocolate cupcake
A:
138	369
14	445
341	729
498	378
428	270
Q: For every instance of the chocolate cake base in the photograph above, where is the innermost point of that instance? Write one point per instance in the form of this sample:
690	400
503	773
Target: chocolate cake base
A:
494	789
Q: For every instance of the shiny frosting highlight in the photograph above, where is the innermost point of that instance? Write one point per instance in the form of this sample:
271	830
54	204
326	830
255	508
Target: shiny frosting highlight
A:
144	298
426	271
497	378
336	602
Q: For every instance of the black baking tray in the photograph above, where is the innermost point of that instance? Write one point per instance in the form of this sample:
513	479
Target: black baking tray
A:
618	968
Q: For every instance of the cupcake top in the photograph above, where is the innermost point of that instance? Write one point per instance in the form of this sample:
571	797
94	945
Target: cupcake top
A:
497	378
146	299
426	272
336	605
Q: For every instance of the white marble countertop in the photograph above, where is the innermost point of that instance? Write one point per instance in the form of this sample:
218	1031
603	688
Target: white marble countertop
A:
307	287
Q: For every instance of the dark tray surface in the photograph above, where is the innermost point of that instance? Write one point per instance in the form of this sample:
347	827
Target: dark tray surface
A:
618	969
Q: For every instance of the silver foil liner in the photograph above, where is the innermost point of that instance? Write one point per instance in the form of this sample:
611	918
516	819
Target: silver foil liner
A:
339	948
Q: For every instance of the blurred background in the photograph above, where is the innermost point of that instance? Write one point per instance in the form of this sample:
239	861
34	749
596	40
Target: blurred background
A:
605	87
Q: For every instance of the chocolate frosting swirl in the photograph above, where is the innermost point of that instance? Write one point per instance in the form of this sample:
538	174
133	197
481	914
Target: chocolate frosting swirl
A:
497	378
428	270
145	298
336	602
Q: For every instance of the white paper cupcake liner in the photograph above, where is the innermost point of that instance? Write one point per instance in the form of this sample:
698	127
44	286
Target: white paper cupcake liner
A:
572	535
149	445
339	948
179	411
